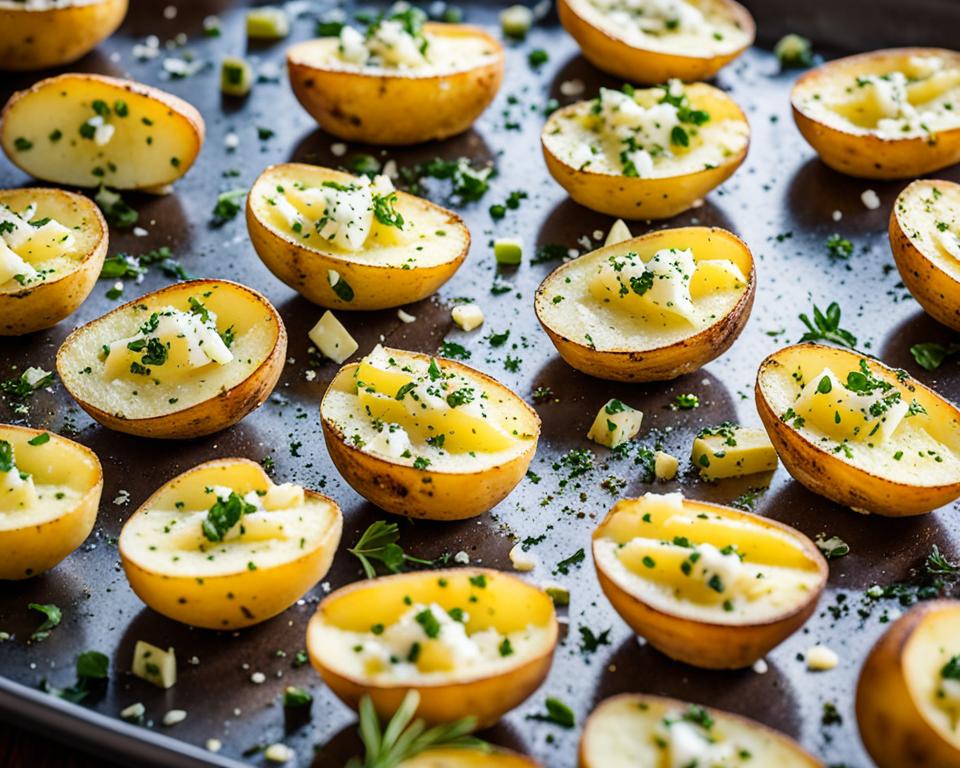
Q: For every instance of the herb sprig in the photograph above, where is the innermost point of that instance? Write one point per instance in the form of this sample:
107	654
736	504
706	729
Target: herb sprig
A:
826	327
378	544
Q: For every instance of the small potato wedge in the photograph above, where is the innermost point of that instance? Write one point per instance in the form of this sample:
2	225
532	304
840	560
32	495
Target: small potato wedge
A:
43	35
222	547
471	641
48	514
864	435
635	729
705	584
907	695
425	436
144	367
633	43
395	263
86	130
888	114
650	308
397	105
468	758
925	240
47	271
646	154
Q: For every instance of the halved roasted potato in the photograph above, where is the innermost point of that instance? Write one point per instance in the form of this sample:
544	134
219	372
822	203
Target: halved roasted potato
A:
472	642
708	585
221	546
635	729
462	757
49	495
865	435
86	130
888	114
650	308
908	696
52	246
646	154
51	33
925	240
185	361
403	82
425	436
651	42
346	243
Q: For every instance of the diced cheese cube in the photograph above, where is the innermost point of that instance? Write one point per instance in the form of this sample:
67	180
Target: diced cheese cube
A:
616	423
665	465
267	23
507	251
522	561
467	316
618	233
332	339
516	21
154	664
236	76
732	451
821	659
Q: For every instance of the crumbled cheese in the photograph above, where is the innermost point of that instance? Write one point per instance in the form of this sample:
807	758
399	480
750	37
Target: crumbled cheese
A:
467	316
214	745
461	558
338	149
522	561
572	87
870	199
618	233
133	713
761	667
821	659
665	465
332	339
279	753
837	215
35	376
258	678
392	441
174	716
406	317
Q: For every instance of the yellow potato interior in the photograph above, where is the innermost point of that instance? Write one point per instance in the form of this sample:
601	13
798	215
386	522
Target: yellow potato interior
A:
893	428
280	525
60	475
615	298
451	625
466	758
113	387
288	200
704	562
641	135
929	213
627	731
86	131
427	412
931	664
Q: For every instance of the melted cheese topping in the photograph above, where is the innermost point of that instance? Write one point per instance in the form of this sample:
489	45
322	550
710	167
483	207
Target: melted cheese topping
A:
929	213
33	248
918	99
654	133
700	28
701	565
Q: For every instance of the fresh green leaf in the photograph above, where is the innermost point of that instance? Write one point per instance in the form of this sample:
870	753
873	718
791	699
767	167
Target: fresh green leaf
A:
52	614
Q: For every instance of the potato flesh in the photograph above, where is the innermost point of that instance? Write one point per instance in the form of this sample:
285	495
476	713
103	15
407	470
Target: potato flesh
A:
928	214
138	396
724	569
151	146
932	646
733	452
626	732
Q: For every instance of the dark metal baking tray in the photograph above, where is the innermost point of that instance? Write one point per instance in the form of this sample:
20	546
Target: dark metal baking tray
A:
782	190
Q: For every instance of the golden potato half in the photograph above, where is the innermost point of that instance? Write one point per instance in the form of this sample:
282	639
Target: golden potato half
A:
860	433
51	252
640	46
468	758
908	696
630	155
185	361
705	584
86	130
405	257
49	513
635	729
925	240
425	436
222	547
888	114
473	642
400	105
51	34
651	308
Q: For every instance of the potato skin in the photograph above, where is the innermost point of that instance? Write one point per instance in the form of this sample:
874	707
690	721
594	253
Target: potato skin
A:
51	38
35	549
468	758
869	156
210	416
397	109
376	286
825	474
485	698
46	304
640	65
705	644
662	364
935	290
425	494
893	730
